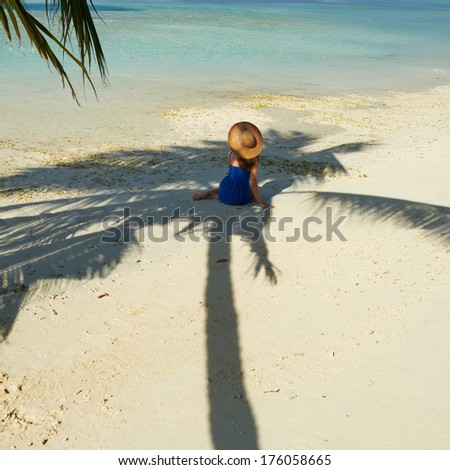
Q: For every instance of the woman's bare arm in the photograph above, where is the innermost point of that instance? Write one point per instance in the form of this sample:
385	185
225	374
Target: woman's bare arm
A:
255	189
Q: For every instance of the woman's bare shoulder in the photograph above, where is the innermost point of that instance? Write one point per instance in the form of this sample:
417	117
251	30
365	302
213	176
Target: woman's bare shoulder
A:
233	159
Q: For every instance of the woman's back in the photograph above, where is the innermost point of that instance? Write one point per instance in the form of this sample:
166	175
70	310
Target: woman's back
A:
235	187
241	183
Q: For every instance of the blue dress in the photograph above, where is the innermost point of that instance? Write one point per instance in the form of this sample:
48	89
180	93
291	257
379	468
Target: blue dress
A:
235	187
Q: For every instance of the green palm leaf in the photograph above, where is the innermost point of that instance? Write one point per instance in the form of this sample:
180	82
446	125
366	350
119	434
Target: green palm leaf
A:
75	21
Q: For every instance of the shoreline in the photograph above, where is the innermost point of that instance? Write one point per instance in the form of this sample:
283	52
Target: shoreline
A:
57	123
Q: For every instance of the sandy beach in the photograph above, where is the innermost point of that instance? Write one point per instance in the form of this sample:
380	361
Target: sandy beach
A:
167	340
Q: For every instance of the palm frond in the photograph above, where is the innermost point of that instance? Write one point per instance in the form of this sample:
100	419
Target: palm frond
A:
75	19
5	24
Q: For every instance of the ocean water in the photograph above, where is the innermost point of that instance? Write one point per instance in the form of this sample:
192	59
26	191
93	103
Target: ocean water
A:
276	46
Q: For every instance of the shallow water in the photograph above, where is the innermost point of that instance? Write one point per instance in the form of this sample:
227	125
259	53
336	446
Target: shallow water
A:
289	47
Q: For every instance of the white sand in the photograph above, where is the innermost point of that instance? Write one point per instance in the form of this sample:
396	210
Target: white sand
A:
196	346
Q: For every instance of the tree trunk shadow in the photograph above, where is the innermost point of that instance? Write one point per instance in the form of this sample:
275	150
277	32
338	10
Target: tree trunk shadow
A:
231	419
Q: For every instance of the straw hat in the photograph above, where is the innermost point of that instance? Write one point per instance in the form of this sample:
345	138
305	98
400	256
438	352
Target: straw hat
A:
245	140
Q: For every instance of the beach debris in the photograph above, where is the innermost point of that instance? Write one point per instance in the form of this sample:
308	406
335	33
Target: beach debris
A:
14	290
222	260
120	339
275	390
102	295
316	169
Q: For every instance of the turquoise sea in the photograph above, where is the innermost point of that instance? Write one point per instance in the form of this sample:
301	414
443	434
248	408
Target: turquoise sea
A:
293	46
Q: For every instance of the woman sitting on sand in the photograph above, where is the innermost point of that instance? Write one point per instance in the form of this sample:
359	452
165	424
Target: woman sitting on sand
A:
240	186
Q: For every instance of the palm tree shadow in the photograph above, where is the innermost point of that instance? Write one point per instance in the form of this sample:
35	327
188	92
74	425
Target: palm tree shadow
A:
61	241
44	251
231	418
232	421
433	220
